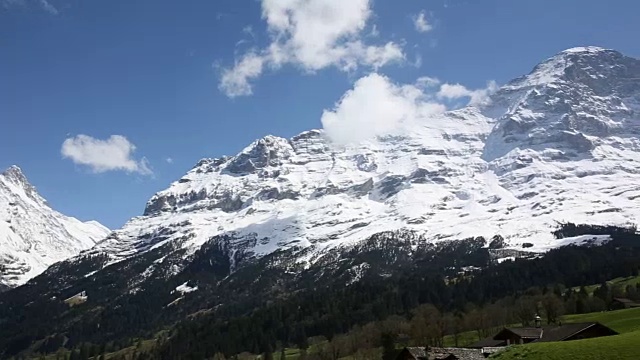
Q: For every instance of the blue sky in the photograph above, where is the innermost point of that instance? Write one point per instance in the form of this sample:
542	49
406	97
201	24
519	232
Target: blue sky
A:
84	82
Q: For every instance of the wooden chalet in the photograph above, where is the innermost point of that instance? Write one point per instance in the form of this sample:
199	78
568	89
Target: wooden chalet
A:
622	303
525	335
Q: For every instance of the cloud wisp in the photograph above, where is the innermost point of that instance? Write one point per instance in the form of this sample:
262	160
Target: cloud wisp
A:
421	24
112	154
312	35
457	91
45	5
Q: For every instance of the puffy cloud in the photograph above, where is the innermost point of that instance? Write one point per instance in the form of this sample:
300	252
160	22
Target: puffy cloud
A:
457	91
421	23
377	106
114	153
313	35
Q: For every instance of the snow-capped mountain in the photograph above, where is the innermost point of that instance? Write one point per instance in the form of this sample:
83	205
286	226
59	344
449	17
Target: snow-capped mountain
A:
561	144
32	234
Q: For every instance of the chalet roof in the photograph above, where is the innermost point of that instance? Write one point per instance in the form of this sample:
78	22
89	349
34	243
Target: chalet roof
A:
458	353
435	353
488	342
543	334
624	300
525	333
564	331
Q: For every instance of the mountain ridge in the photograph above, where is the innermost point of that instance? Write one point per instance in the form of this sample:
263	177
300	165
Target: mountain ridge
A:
32	234
514	174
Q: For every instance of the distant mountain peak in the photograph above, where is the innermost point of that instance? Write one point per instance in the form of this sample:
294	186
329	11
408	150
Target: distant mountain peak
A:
580	65
586	50
15	174
32	234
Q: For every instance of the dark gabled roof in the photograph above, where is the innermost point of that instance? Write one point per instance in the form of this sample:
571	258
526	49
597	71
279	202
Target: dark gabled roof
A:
525	333
487	342
544	334
624	301
565	331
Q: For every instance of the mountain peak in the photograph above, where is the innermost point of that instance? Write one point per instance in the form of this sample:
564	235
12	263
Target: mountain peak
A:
14	172
32	234
15	175
581	66
585	50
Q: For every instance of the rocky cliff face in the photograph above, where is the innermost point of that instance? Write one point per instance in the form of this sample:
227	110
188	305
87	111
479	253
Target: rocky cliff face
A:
34	236
560	144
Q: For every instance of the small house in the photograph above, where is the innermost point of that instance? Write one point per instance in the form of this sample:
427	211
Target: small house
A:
525	335
622	303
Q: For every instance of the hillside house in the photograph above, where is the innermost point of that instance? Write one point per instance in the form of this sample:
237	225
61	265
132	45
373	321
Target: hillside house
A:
525	335
622	303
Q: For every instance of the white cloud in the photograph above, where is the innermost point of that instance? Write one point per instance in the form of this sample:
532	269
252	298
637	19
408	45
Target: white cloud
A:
457	91
235	82
169	160
114	153
421	23
376	106
313	35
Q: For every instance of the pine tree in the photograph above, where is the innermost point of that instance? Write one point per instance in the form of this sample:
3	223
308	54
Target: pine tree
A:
388	341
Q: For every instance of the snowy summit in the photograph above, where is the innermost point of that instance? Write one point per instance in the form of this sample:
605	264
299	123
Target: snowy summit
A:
561	144
32	234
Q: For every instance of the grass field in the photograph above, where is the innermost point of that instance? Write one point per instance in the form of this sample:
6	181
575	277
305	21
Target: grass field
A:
619	347
622	321
624	346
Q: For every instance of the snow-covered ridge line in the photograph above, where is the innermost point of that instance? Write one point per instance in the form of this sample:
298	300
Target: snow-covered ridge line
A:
32	234
561	144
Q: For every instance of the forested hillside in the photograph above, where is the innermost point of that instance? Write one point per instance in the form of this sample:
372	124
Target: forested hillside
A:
460	284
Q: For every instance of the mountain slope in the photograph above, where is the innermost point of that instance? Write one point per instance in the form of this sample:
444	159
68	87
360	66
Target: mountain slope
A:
34	236
560	144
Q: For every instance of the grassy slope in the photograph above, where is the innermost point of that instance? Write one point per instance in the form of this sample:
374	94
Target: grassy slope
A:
624	346
621	281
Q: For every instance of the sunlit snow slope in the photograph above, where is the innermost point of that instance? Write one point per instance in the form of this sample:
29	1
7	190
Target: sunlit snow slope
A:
34	236
561	144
